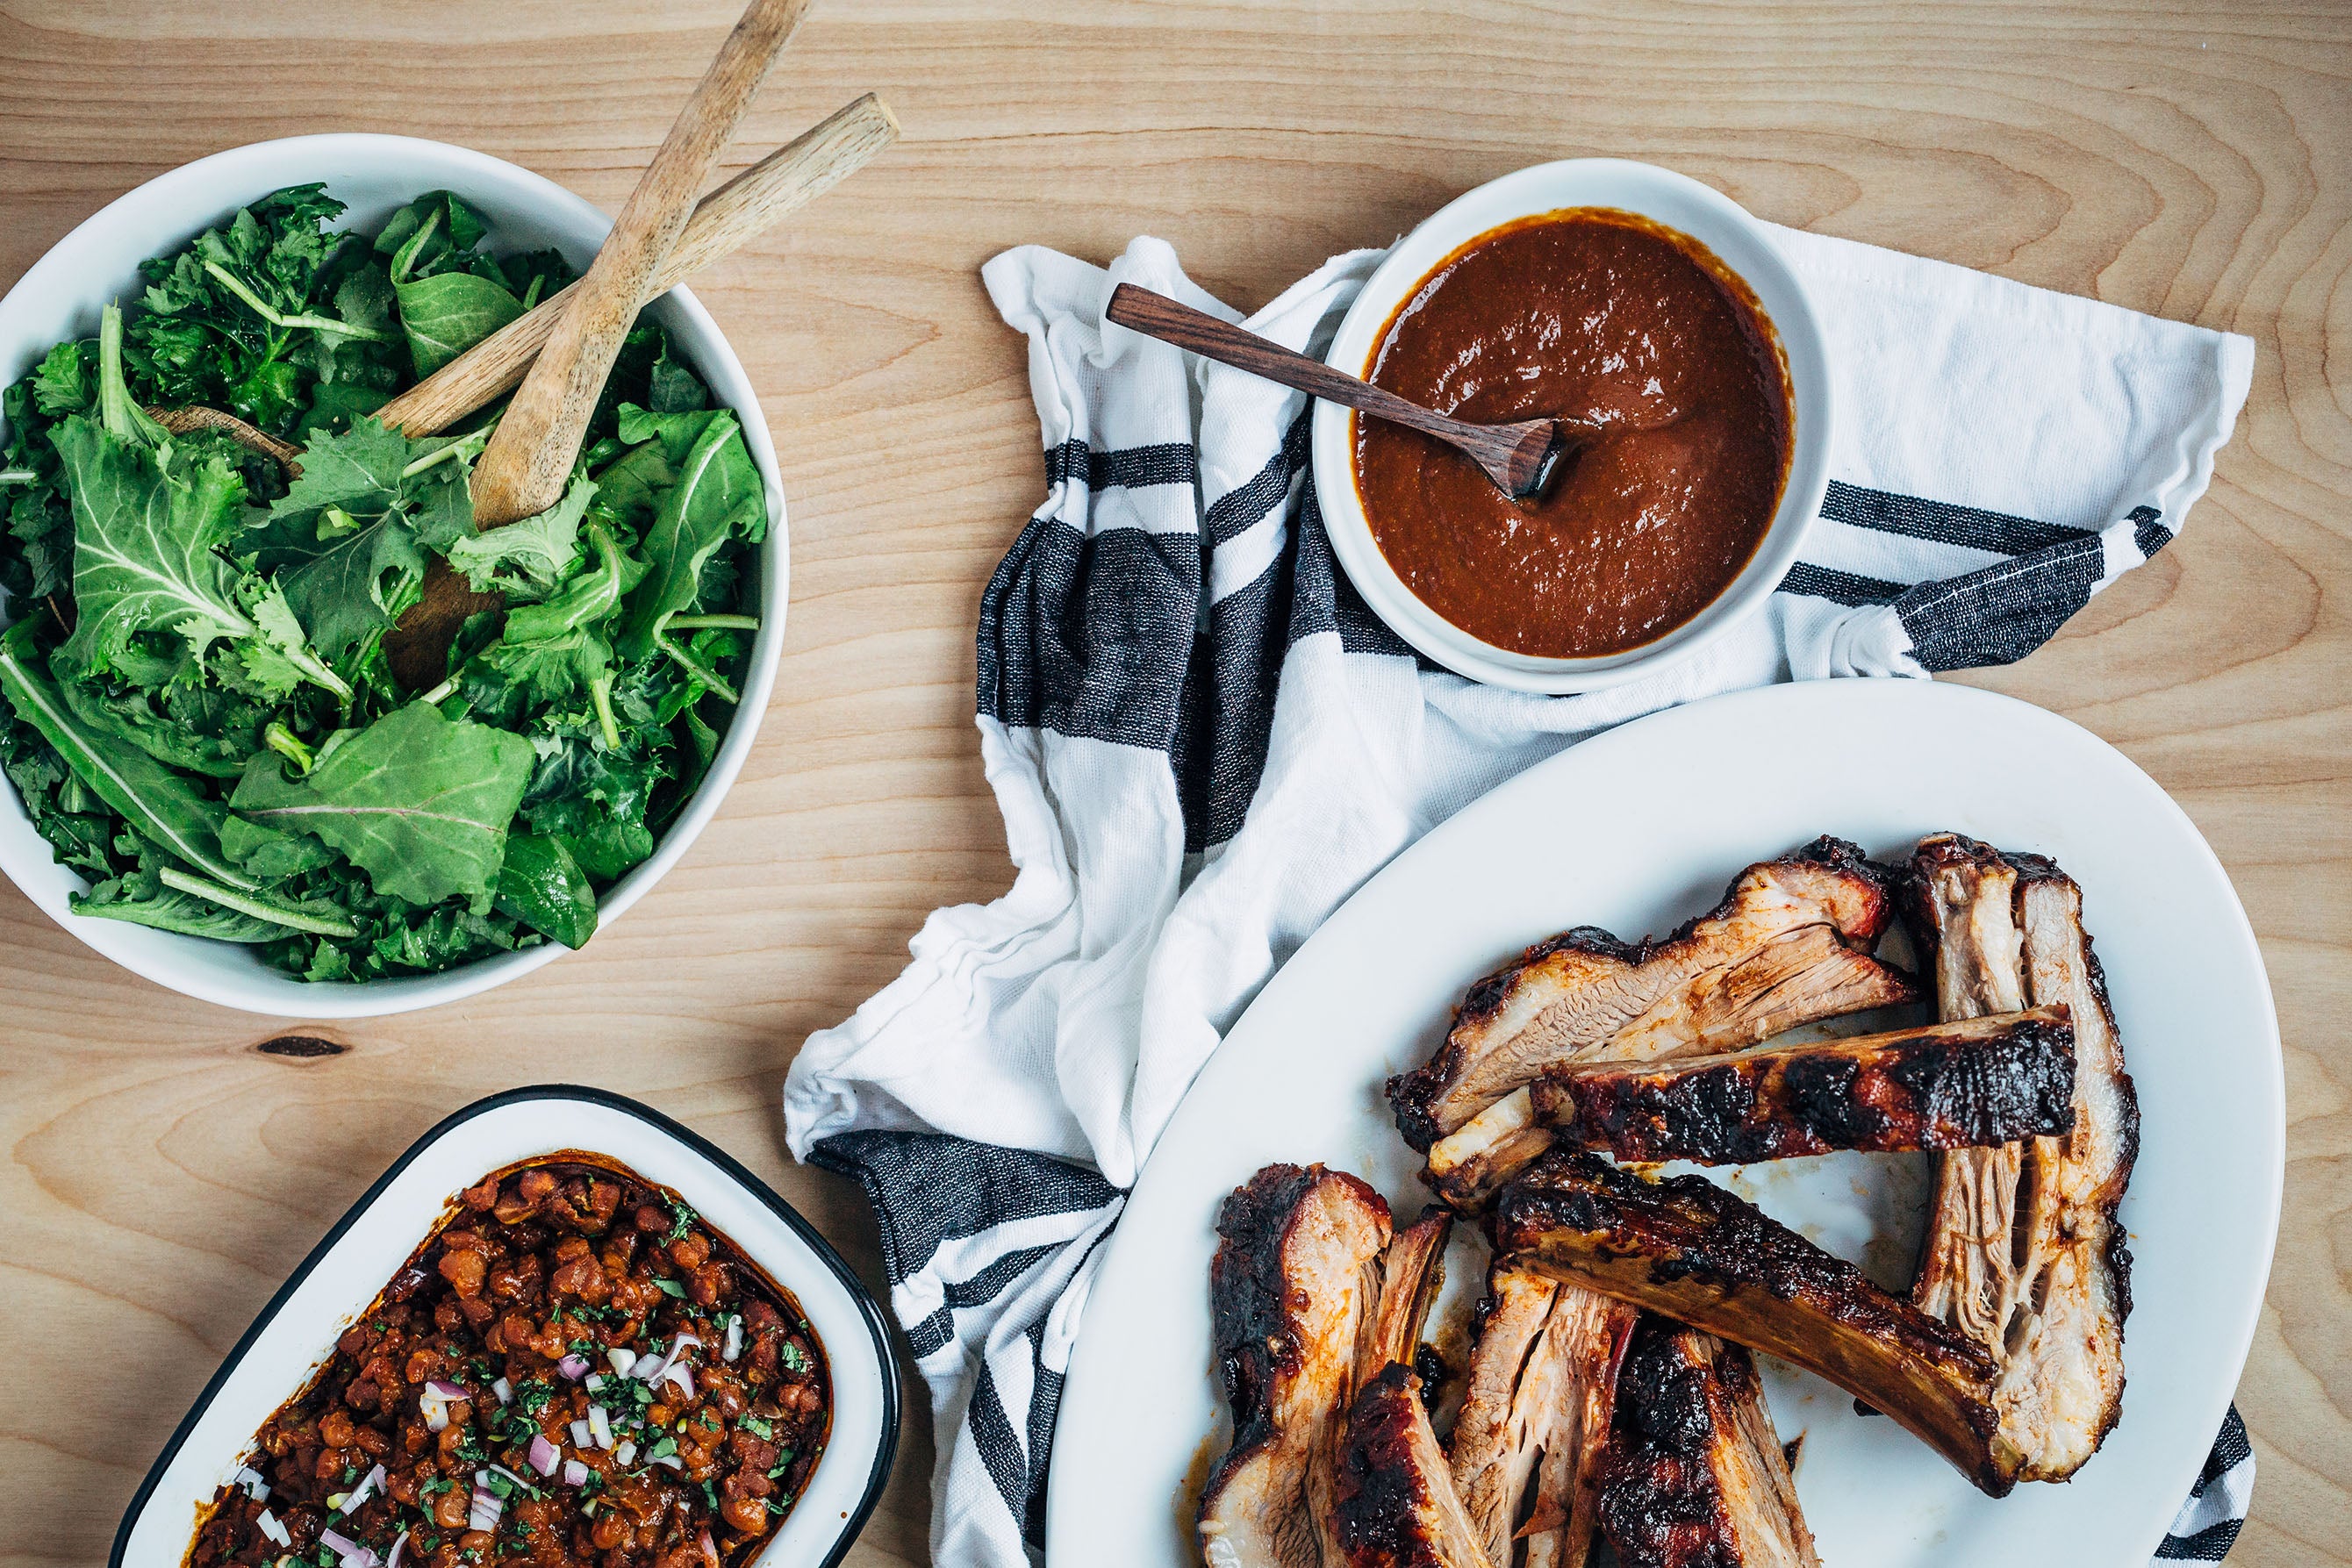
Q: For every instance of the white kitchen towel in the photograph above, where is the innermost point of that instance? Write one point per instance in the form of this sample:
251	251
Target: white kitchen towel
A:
1203	741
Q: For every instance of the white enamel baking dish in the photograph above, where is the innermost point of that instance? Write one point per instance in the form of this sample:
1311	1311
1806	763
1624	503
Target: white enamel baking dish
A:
343	1273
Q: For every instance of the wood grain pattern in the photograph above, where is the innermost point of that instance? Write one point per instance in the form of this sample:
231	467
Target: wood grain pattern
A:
2189	159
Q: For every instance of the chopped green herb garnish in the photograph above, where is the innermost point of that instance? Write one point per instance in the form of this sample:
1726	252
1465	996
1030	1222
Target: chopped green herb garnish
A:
669	1287
663	1446
681	1217
756	1426
793	1360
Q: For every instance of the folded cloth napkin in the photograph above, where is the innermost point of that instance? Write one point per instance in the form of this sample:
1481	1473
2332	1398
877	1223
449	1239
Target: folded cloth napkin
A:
1203	741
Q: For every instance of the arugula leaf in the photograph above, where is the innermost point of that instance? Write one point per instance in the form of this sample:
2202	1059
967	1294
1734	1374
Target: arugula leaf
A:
174	901
447	314
419	801
672	388
586	600
80	831
718	493
542	886
528	558
201	730
164	808
355	589
269	855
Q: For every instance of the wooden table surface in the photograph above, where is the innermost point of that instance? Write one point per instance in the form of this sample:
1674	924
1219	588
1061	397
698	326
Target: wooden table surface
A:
161	1176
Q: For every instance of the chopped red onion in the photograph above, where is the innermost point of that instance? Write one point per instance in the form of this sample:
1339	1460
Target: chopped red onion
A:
436	1417
354	1555
682	1376
270	1526
442	1390
504	1390
622	1358
734	1347
368	1483
575	1474
627	1452
573	1366
600	1426
672	1460
488	1506
544	1455
595	1379
582	1437
399	1544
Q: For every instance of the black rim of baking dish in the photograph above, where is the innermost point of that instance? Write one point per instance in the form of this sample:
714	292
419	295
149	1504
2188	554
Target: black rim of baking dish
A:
870	1310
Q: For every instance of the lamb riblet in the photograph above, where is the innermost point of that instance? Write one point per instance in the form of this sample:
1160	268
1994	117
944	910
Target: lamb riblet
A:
1290	1290
1693	1251
1695	1476
1789	943
1981	1081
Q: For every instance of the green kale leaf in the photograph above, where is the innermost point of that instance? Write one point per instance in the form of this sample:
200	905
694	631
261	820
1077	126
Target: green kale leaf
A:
718	493
164	806
446	315
419	801
542	886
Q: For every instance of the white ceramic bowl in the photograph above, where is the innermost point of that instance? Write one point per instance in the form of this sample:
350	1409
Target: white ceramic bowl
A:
1743	244
340	1278
61	296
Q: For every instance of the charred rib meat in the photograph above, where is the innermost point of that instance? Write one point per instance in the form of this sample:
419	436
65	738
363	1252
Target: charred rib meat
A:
1695	1477
1690	1250
2024	1251
1987	1080
1790	942
1397	1506
1291	1291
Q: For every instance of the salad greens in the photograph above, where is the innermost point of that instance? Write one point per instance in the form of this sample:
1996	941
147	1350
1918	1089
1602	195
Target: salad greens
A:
200	715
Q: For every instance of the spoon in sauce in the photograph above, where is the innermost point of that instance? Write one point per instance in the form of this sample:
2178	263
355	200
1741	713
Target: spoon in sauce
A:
1521	458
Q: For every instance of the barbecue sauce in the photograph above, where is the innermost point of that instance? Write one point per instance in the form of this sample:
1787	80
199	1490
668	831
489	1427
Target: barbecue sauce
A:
1598	316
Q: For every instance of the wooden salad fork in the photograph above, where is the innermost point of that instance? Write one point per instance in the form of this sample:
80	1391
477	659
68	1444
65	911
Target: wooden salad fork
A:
529	460
1521	458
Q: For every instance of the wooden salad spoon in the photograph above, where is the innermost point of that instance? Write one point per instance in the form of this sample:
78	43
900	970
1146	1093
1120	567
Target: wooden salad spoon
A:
1521	458
529	460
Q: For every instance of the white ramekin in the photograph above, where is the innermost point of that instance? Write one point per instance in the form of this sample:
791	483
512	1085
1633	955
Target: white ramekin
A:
1743	244
61	296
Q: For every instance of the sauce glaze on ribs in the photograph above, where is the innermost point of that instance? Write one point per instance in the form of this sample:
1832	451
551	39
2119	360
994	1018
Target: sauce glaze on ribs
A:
1986	1080
1397	1506
1291	1290
2024	1251
1789	944
1695	1476
1693	1251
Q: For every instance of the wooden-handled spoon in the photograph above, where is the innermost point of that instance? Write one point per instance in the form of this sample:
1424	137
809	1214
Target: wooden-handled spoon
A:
523	470
791	176
1520	458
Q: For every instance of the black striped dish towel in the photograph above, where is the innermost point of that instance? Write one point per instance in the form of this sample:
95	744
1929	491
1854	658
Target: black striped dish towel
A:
1202	742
